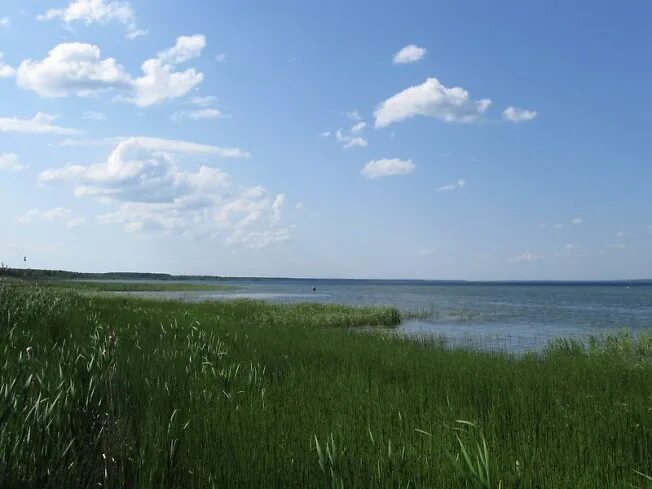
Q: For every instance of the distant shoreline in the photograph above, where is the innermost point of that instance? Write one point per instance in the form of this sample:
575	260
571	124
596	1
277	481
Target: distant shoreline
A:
42	274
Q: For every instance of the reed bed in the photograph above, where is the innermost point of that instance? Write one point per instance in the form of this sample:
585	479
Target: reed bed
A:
127	393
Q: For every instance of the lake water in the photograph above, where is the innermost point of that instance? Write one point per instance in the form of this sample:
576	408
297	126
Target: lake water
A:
510	317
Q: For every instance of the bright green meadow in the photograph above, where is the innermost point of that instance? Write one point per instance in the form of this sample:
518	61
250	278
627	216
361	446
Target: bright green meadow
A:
117	392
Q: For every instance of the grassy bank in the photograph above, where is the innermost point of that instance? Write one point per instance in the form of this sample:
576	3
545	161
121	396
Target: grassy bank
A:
115	392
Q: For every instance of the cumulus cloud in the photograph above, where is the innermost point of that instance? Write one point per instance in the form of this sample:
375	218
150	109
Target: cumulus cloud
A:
6	71
79	69
358	127
41	123
387	167
9	162
527	257
196	115
409	54
155	190
431	99
72	69
220	58
453	186
514	114
58	214
96	11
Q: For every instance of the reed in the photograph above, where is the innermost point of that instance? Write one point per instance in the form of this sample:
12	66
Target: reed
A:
121	392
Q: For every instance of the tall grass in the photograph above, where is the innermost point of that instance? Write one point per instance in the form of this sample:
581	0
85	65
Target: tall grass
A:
117	392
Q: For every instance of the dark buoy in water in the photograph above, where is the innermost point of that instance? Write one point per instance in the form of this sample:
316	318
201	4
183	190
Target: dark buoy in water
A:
314	289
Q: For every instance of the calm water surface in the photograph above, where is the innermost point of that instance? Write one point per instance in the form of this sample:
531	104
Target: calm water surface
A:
490	316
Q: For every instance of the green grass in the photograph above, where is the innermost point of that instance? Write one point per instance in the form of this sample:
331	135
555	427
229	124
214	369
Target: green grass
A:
109	392
133	286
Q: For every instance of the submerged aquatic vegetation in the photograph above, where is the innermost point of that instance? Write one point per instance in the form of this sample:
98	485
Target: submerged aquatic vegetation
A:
119	392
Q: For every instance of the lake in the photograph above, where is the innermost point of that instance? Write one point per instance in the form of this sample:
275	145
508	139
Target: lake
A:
492	316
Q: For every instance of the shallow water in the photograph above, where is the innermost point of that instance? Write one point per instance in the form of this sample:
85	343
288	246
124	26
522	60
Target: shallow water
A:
508	317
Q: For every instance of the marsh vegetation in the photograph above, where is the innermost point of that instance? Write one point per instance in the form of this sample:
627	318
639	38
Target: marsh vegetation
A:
117	392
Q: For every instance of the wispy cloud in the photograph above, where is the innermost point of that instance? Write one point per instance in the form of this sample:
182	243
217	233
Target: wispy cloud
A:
6	71
349	141
41	123
9	162
387	167
91	115
577	220
527	257
197	115
97	11
514	114
58	214
453	186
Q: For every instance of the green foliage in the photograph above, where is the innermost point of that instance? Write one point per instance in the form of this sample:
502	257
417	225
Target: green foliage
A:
116	392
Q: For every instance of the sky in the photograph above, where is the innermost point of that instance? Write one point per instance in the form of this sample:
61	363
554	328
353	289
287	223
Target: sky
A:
398	139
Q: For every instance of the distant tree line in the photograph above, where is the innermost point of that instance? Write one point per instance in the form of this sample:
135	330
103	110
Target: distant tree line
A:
36	274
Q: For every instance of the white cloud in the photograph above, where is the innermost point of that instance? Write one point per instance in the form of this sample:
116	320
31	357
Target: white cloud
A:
58	214
9	161
4	21
514	114
569	246
620	234
185	49
427	252
277	208
353	115
577	220
159	82
6	71
527	257
78	69
431	99
41	123
387	167
615	246
156	188
72	69
196	115
557	226
72	142
325	134
203	101
300	206
221	57
409	54
359	127
349	141
96	11
453	186
91	115
258	239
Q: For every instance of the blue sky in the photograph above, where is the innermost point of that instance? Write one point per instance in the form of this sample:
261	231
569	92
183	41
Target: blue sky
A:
436	140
